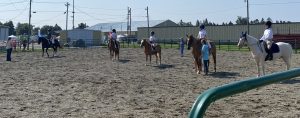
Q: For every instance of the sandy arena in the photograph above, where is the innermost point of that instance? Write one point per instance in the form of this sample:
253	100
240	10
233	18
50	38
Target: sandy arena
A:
85	83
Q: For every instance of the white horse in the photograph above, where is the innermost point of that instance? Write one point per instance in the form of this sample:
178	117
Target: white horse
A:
259	53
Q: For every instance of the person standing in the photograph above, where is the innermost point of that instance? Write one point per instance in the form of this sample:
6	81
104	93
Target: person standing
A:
9	46
181	43
205	55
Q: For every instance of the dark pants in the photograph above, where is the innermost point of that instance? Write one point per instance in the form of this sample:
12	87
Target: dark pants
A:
181	50
8	55
205	66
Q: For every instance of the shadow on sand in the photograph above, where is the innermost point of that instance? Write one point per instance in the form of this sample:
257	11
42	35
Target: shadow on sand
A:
124	61
224	75
291	81
51	57
164	66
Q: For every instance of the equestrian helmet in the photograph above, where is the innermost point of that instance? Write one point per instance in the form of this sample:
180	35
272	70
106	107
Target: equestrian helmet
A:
114	30
268	23
152	33
202	27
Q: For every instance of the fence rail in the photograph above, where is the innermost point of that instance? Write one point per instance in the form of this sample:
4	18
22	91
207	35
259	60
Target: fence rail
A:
213	94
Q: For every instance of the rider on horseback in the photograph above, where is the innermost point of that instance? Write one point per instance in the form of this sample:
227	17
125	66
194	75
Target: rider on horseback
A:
202	35
152	40
113	37
267	39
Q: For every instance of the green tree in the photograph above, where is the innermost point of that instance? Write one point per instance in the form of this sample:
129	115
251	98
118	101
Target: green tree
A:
22	28
82	26
230	23
11	26
241	20
262	21
197	23
57	28
36	30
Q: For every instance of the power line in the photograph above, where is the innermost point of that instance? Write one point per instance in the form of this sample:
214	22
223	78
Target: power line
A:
50	2
278	3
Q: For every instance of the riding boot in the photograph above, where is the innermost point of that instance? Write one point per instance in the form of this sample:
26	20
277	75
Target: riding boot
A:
271	56
267	57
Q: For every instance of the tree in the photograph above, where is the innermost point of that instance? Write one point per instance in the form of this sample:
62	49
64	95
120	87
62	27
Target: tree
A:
56	28
197	23
230	23
22	28
262	21
241	20
11	26
180	23
82	26
36	30
205	22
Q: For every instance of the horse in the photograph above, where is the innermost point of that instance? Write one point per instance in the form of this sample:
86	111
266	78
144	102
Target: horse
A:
149	52
113	50
47	44
196	52
259	53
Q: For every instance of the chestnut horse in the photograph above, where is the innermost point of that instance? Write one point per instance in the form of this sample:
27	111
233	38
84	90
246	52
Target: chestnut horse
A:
113	51
196	51
148	51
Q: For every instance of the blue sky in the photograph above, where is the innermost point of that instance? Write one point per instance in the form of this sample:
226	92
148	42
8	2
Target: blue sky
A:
50	12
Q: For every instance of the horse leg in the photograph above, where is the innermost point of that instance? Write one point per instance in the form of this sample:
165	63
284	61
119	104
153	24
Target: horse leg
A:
47	52
287	61
215	61
156	58
258	68
150	58
43	52
146	59
159	58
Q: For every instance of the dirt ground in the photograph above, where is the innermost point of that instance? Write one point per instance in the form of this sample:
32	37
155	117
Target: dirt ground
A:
86	83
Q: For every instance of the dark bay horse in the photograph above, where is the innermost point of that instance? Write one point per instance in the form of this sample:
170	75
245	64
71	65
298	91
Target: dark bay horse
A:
196	51
113	50
148	51
48	44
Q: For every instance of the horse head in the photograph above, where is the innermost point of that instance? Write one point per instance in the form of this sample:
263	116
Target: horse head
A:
190	40
143	42
242	40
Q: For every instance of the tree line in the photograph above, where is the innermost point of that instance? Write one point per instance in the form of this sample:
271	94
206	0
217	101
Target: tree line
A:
23	28
239	21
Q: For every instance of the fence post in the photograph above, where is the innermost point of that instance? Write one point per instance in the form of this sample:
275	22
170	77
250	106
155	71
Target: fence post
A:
171	43
295	46
228	45
165	43
219	44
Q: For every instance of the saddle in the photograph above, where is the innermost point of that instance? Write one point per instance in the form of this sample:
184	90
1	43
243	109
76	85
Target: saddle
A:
274	49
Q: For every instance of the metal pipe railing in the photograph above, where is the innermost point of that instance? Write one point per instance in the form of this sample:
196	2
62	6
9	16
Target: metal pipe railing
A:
213	94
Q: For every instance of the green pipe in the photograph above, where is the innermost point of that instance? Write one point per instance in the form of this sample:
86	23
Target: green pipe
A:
213	94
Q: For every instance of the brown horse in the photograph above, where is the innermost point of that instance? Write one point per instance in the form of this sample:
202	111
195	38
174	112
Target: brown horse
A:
148	51
197	46
113	51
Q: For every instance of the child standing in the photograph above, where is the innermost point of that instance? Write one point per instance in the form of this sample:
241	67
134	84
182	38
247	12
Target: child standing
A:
181	46
205	55
9	46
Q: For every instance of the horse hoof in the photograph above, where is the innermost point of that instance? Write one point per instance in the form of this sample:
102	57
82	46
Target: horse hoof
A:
198	72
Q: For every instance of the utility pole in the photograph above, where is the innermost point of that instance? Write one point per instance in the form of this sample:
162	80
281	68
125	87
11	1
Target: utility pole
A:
73	14
129	21
128	18
67	15
248	16
29	25
147	9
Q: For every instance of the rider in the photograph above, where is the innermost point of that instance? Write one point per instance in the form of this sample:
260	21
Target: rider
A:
202	35
152	40
268	36
113	37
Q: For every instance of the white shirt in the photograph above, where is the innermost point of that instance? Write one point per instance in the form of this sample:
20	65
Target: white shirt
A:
152	39
202	34
268	35
113	36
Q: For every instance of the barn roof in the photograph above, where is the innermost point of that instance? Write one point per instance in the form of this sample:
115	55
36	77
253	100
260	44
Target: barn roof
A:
122	26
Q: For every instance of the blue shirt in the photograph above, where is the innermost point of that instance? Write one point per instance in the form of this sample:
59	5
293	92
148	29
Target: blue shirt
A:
205	52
